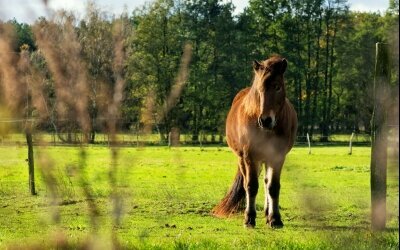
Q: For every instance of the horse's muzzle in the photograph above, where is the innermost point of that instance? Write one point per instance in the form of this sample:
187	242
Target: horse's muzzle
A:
266	123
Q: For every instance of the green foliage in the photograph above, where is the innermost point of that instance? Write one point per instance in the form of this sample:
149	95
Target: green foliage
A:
330	51
96	38
24	35
156	47
356	57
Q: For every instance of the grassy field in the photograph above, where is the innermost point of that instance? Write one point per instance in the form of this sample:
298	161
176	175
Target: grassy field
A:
167	195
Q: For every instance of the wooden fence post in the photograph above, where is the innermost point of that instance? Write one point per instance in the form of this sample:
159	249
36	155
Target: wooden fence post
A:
309	144
351	144
379	138
31	164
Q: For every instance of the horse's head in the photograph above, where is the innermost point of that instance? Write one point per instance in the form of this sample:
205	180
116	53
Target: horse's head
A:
270	87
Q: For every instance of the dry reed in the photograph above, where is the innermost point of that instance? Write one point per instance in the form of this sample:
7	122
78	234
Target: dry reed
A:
24	93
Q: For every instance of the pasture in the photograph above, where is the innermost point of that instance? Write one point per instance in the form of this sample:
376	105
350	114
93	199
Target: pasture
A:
168	193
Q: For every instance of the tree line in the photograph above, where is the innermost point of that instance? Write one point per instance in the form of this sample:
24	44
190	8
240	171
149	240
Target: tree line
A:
330	51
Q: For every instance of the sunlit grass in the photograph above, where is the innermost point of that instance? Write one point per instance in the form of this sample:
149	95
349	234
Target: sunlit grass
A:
169	192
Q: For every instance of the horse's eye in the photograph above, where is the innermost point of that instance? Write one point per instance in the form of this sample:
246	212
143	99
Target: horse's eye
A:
278	88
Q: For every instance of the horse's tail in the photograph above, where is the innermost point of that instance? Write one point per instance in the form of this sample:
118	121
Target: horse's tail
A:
234	200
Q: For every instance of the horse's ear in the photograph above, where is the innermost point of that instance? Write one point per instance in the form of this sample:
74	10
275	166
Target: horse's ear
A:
283	65
256	65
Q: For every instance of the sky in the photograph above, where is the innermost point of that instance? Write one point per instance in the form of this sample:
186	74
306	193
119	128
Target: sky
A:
28	11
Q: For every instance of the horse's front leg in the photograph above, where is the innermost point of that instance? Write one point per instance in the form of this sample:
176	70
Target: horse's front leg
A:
272	187
250	172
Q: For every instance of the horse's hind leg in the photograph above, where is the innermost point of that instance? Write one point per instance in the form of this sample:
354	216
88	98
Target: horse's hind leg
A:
250	171
272	188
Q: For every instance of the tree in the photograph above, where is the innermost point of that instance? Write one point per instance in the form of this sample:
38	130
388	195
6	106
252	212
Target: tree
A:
95	36
355	67
211	29
24	35
156	47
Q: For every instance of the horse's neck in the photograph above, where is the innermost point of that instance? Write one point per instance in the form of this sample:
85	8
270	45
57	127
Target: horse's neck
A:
282	113
284	116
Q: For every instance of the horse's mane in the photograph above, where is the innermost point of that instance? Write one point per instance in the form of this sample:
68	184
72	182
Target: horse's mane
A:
252	101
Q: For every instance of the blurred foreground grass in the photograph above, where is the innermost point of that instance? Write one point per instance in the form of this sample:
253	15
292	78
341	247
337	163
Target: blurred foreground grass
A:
168	194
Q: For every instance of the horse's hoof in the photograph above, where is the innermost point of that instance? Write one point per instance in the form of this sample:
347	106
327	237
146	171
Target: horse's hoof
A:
274	221
276	224
249	226
250	223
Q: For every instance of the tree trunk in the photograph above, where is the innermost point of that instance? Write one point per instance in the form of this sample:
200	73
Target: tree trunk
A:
332	59
324	122
92	136
299	88
316	78
308	82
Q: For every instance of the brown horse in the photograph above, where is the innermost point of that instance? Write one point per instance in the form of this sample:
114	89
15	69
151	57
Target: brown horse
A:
260	128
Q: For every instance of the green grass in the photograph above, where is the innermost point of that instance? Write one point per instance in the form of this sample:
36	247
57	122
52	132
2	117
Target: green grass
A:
168	194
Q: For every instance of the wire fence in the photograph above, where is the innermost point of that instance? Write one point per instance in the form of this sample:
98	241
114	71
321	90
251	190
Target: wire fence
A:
11	134
140	139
